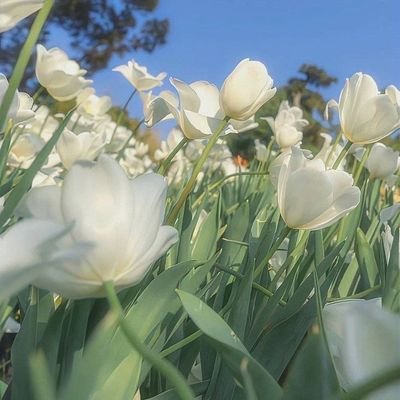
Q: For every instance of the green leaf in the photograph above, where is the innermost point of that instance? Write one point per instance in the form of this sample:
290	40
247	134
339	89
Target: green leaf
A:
366	261
109	356
312	376
229	345
26	181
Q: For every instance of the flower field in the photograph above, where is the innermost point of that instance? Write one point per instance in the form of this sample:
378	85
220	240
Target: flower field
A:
187	271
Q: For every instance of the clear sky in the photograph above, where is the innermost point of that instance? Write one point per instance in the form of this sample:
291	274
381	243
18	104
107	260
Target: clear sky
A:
209	37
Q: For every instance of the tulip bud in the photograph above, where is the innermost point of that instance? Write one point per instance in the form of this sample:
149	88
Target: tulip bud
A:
246	89
311	197
62	77
382	161
366	115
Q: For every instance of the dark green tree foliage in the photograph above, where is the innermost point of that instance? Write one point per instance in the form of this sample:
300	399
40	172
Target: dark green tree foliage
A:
97	30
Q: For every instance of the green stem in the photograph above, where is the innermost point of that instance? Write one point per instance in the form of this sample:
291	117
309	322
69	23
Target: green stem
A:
182	343
121	113
334	145
23	60
197	169
255	285
163	169
272	250
373	384
162	365
362	163
215	185
126	144
342	154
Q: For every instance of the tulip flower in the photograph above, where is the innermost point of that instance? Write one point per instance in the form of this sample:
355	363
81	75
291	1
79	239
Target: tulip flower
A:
29	248
155	109
139	77
364	341
21	107
13	11
246	89
367	115
199	114
63	78
382	161
122	218
261	151
287	125
24	150
94	106
311	197
85	146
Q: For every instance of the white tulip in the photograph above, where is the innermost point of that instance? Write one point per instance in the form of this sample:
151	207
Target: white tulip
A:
367	115
199	114
13	11
24	150
31	246
155	110
382	162
261	151
94	106
311	197
328	154
63	78
287	125
246	89
364	341
85	146
139	77
20	111
236	126
121	217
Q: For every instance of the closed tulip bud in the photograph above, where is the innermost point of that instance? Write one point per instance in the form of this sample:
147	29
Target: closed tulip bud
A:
246	89
121	218
364	341
367	115
382	161
63	78
139	77
311	197
13	11
93	106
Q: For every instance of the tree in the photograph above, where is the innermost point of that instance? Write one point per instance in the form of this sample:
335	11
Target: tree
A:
98	29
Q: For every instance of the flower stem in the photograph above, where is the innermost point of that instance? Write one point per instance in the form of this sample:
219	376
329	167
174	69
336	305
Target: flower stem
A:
342	154
163	169
362	163
197	169
23	60
121	113
162	365
284	233
182	343
126	144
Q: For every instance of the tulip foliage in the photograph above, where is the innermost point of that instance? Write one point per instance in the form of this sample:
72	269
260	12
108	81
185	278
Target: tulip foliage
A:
185	272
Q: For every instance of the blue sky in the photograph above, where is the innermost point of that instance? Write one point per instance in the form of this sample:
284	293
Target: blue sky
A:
209	37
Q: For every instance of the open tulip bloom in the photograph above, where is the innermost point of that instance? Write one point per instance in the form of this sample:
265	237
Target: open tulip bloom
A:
121	218
311	197
111	276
